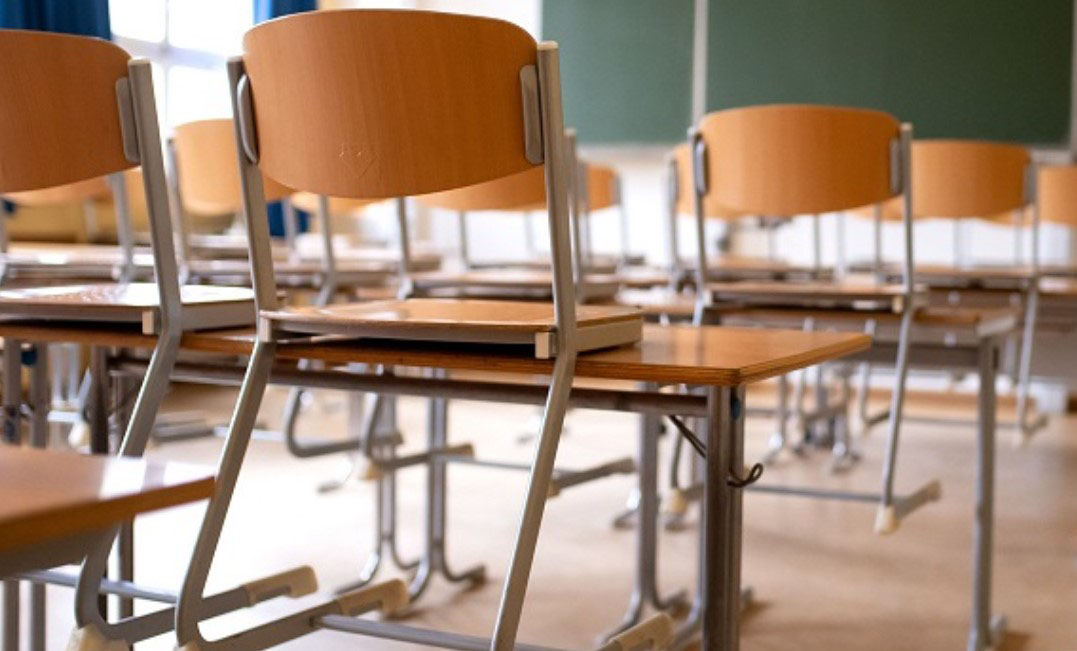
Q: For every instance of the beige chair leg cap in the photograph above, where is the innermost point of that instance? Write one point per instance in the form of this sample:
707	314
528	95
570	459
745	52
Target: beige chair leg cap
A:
88	638
886	520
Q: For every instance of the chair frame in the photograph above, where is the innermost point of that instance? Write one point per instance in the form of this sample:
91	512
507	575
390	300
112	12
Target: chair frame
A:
540	85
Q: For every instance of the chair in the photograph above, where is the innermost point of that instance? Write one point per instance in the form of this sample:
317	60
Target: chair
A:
320	108
84	110
785	160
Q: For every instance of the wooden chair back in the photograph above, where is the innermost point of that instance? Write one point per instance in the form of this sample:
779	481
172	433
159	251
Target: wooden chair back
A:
93	189
603	187
1056	194
59	116
206	171
962	178
683	187
525	189
789	159
344	109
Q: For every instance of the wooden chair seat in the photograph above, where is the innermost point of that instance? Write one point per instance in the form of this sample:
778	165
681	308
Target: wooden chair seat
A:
598	265
462	320
50	260
523	283
422	258
56	504
641	277
204	307
305	273
228	245
738	267
659	302
947	276
862	293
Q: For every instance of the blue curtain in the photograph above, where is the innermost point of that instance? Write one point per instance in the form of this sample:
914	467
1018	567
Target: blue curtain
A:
85	17
265	10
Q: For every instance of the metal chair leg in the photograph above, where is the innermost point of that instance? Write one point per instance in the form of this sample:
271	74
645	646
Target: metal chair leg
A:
886	520
39	438
88	610
646	589
512	596
434	557
985	631
188	610
12	435
1025	429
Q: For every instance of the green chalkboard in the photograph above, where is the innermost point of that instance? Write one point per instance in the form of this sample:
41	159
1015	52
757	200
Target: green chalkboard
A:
626	67
990	69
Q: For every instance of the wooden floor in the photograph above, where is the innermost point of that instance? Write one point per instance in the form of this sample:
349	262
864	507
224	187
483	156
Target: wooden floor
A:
823	580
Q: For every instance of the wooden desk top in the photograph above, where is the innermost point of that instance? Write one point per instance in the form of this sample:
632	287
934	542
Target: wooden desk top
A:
1059	287
711	355
50	495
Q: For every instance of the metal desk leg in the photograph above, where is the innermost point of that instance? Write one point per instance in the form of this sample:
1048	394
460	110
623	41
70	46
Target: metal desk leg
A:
11	435
646	589
985	632
515	588
718	528
734	598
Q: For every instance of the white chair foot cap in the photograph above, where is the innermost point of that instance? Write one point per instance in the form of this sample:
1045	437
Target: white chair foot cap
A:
79	436
88	638
653	633
389	597
292	583
886	520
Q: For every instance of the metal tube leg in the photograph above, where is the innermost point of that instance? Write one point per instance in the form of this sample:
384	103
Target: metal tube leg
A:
512	597
781	435
90	608
11	615
235	448
439	477
12	402
718	577
646	584
736	516
39	438
1024	379
983	532
886	518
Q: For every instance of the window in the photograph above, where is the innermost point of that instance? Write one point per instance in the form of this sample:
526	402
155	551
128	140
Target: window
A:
188	42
